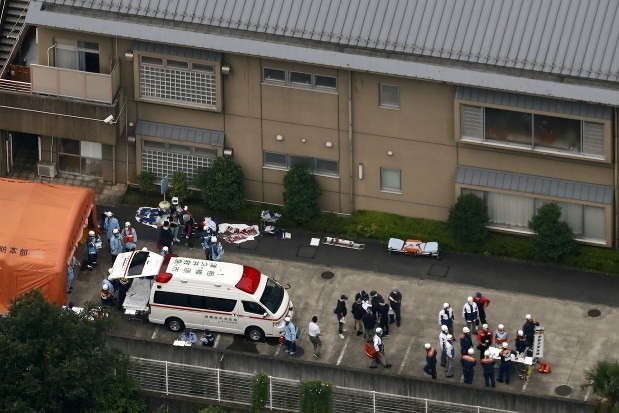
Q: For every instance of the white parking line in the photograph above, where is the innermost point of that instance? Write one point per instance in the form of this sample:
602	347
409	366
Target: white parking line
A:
408	350
216	340
154	333
339	360
587	394
524	386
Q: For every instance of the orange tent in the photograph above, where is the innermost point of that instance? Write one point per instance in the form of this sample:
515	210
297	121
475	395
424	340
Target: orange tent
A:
42	227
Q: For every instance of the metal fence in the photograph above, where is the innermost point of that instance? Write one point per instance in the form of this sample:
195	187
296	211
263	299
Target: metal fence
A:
235	387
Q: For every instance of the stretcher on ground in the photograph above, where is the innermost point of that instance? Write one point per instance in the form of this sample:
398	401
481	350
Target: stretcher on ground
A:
414	247
344	243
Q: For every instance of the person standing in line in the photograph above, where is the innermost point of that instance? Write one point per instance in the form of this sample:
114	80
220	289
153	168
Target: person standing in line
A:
482	303
290	335
380	350
484	340
111	225
189	227
466	341
314	336
341	312
430	367
375	300
446	317
442	341
130	237
450	352
470	314
175	223
505	368
383	317
116	245
529	329
369	324
487	364
500	336
468	366
358	312
395	301
91	247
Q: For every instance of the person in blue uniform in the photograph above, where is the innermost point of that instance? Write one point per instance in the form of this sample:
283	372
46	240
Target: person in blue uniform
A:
468	362
487	364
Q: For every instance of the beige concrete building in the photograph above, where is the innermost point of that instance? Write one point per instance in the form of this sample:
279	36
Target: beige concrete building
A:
395	106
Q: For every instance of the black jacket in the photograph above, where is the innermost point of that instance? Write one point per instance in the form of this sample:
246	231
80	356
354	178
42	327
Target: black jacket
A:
369	322
358	311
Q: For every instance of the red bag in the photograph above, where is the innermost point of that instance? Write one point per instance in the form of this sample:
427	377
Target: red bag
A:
282	340
370	351
544	368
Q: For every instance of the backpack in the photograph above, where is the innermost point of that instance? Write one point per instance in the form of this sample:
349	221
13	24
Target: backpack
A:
370	351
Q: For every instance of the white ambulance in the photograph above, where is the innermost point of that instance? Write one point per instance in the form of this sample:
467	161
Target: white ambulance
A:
220	296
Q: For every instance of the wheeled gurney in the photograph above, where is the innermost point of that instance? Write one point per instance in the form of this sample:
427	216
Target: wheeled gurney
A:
413	247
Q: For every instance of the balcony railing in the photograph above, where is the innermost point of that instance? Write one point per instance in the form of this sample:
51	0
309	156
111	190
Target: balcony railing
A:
56	81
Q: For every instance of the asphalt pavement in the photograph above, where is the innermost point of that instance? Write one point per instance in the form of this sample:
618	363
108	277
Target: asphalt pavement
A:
578	309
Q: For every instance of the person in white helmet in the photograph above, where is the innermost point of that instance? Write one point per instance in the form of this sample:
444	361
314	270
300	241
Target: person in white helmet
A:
217	250
116	245
450	352
521	344
529	329
446	317
468	363
470	314
380	350
466	341
91	248
442	341
164	251
130	237
111	223
430	367
207	246
500	336
107	298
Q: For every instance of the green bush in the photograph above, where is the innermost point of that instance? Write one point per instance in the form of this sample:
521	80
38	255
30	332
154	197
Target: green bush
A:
259	393
468	218
553	239
180	186
213	409
316	397
301	193
222	185
146	181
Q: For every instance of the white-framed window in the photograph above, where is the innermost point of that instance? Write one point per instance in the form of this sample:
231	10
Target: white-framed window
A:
166	158
525	130
77	55
316	165
80	157
299	79
513	212
177	80
390	180
388	96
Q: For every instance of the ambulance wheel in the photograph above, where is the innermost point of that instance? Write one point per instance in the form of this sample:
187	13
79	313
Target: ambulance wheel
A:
254	334
174	324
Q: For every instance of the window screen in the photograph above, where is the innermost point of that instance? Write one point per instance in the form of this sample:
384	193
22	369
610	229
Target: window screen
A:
299	78
390	180
219	304
389	96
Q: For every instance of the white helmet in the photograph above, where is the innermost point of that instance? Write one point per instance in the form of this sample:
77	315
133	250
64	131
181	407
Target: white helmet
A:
529	317
466	330
174	200
91	233
379	330
487	353
144	249
520	333
213	239
109	214
471	351
445	305
427	346
484	326
501	327
166	249
450	337
105	287
115	231
444	328
469	299
505	344
127	224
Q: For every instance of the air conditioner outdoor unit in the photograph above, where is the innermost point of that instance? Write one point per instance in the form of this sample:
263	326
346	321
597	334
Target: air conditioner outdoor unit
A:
47	169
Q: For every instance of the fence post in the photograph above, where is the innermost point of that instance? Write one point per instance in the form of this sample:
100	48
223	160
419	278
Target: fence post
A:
167	392
426	405
218	386
374	401
270	393
478	409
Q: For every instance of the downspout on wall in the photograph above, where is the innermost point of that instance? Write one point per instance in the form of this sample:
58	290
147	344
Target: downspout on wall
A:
350	146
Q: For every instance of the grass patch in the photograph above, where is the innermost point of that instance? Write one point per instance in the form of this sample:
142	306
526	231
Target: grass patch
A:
380	226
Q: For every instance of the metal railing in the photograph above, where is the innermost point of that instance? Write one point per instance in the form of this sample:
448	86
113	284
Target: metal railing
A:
228	386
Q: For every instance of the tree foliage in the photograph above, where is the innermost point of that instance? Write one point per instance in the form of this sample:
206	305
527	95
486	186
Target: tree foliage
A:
316	397
604	381
55	360
468	218
553	238
259	393
222	185
180	186
301	194
146	181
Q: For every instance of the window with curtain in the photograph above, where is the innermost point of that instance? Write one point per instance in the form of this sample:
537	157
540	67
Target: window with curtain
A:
73	55
390	180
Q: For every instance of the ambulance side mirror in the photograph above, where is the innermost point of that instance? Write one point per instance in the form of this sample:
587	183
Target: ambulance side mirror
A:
265	315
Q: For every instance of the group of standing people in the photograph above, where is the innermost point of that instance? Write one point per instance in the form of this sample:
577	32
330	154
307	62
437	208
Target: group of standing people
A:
474	313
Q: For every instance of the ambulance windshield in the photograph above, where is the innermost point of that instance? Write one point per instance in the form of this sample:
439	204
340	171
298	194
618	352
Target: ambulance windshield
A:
272	296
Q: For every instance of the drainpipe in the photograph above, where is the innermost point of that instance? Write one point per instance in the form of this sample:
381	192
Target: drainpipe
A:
113	164
48	49
616	160
350	147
